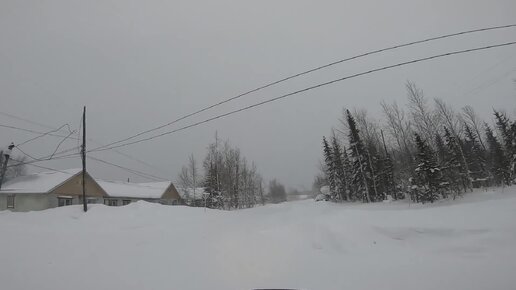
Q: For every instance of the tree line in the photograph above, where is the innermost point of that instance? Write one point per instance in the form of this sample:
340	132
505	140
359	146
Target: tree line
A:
423	152
226	180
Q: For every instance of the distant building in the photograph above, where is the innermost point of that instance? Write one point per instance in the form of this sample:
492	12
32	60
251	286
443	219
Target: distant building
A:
123	193
48	190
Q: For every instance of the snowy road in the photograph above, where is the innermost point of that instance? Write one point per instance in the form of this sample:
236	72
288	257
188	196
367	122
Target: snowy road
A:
464	244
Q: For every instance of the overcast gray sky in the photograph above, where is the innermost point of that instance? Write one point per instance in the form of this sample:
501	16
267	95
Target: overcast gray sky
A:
139	64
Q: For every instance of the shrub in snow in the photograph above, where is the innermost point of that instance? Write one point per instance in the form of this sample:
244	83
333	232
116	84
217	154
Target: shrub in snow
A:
321	197
325	194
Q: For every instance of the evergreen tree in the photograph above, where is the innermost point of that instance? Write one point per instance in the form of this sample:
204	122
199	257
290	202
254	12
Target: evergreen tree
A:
508	135
454	169
441	150
504	126
476	157
340	176
427	175
346	164
361	174
498	163
330	167
211	186
513	159
385	177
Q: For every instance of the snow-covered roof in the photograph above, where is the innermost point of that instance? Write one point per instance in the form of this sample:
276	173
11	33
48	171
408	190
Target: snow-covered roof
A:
42	182
134	190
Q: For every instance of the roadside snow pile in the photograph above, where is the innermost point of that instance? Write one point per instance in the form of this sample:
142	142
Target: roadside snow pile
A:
465	244
324	195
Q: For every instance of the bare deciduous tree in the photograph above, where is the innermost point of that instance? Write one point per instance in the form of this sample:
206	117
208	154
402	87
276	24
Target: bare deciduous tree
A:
423	118
474	122
399	127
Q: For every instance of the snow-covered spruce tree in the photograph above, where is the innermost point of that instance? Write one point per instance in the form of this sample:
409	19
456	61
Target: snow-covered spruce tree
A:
346	164
441	151
513	160
385	176
361	181
452	121
508	134
456	171
330	167
498	163
340	175
476	157
213	200
427	175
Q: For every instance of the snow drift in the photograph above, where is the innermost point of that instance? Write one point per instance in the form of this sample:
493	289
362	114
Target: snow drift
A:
465	244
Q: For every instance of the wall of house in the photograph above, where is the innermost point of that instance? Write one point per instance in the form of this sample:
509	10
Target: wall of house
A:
26	202
73	187
171	194
121	199
38	201
153	200
53	200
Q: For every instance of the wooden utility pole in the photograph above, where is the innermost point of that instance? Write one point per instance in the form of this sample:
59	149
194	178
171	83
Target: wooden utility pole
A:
83	153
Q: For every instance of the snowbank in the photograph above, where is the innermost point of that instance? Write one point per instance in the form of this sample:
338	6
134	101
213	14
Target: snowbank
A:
464	244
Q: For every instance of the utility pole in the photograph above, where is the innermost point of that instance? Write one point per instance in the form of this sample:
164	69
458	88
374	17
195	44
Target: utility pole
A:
7	154
83	155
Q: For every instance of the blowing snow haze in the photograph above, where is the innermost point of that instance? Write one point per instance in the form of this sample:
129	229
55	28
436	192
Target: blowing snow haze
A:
140	64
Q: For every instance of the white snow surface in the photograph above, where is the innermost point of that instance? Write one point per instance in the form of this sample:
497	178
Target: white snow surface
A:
469	243
134	190
41	182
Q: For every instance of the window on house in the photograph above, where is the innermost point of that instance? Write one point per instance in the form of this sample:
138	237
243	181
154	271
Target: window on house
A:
126	202
10	201
113	202
64	201
89	200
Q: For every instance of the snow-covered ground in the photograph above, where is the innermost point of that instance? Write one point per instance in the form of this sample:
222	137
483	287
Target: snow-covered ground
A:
464	244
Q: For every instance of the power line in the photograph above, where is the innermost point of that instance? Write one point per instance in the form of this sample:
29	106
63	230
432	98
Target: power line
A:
304	73
25	120
51	133
26	154
37	161
46	133
31	131
47	158
308	89
43	167
59	144
135	172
